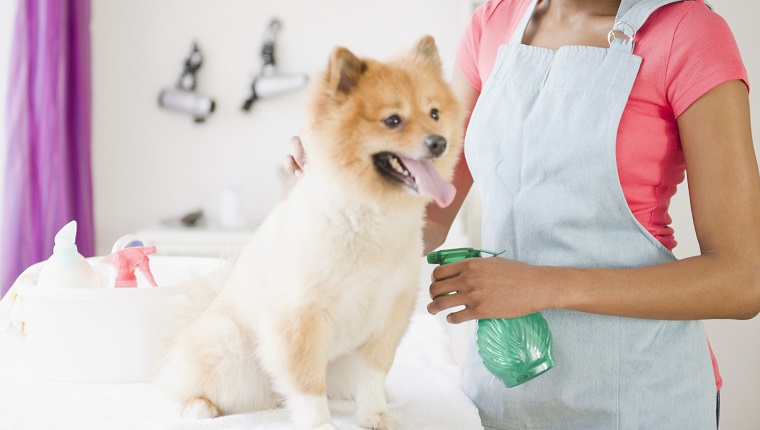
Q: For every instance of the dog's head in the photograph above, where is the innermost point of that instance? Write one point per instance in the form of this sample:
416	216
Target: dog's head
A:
391	130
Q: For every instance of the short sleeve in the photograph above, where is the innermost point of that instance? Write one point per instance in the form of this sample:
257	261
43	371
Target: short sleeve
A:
703	55
469	46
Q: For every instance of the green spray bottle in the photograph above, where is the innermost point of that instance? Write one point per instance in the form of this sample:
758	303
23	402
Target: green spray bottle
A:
515	350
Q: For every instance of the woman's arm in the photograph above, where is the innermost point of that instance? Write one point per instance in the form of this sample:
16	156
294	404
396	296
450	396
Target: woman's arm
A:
722	282
438	220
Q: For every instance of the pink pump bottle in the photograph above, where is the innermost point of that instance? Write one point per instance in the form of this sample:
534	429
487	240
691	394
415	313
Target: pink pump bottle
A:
127	261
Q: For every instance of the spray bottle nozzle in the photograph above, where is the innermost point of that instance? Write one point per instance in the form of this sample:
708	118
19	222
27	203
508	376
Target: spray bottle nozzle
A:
129	259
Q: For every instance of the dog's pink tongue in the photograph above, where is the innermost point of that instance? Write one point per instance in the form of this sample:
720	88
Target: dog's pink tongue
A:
429	182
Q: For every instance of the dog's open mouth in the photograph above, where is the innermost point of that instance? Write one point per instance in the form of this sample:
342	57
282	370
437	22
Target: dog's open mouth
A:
418	175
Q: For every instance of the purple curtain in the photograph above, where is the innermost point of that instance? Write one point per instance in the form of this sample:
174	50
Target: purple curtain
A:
47	174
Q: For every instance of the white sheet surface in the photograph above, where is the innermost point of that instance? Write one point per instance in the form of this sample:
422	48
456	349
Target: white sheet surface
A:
424	392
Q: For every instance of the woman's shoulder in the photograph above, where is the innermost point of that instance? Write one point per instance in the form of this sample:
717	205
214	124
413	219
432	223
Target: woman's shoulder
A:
688	16
693	33
688	49
496	11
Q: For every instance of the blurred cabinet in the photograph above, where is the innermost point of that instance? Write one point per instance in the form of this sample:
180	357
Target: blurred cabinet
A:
196	241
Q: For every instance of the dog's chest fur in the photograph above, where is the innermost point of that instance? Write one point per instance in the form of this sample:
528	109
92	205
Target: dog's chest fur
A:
352	261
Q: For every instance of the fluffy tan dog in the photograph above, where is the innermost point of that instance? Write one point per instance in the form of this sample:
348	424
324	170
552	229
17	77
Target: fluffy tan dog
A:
317	303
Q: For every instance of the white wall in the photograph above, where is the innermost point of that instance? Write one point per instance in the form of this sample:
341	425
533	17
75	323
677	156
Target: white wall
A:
151	164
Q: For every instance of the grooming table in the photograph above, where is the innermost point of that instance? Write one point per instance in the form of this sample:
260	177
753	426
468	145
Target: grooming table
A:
423	386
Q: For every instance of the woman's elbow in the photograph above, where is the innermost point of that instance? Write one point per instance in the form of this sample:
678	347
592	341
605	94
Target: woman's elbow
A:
750	297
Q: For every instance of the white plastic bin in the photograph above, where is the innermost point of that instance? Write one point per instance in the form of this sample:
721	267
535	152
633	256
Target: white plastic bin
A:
105	334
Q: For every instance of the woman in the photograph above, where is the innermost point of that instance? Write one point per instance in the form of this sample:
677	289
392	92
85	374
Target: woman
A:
578	138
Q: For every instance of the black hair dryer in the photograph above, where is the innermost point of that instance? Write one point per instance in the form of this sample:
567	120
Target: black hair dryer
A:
183	97
270	82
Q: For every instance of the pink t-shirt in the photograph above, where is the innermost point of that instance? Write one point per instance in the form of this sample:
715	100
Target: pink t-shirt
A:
687	49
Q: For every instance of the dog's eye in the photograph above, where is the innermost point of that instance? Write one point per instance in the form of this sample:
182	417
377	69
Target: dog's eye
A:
392	121
434	114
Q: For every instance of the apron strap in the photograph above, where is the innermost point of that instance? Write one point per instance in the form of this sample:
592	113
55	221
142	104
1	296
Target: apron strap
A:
632	14
519	32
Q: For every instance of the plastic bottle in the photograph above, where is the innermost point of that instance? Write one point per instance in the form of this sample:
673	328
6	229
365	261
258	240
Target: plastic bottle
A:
126	262
515	350
231	212
67	268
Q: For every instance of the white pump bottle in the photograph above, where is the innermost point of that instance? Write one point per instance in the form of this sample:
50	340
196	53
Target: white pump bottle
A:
67	268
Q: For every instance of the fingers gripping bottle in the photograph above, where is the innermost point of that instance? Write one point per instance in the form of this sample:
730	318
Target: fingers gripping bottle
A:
515	350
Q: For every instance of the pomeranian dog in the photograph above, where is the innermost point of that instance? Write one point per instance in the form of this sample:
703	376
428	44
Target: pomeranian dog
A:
316	304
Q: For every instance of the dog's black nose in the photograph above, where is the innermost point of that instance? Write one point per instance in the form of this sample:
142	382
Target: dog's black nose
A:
436	144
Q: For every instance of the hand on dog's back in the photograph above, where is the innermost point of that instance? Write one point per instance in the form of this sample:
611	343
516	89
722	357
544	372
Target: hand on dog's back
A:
295	161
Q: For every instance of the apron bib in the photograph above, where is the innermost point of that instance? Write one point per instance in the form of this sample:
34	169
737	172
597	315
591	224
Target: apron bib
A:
541	148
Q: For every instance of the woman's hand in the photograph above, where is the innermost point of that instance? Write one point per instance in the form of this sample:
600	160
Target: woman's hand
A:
295	161
488	288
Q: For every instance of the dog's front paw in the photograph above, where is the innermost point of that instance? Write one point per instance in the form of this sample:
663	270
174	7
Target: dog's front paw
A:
199	408
380	421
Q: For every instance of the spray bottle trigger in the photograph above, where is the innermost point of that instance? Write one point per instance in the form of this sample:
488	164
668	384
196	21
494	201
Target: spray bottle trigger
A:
446	256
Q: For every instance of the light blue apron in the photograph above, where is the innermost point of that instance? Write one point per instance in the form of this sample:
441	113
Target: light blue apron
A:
541	148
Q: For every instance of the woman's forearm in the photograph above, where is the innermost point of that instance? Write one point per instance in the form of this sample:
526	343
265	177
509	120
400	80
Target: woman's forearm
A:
702	287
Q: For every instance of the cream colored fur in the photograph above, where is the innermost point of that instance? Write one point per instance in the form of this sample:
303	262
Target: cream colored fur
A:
318	301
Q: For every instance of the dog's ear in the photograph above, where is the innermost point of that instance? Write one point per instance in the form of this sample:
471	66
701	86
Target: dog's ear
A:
425	53
345	70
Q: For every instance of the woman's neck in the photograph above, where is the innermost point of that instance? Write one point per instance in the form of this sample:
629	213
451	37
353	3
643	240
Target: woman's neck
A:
572	9
556	23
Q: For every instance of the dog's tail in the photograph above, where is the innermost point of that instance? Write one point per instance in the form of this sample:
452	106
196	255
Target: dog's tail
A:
200	292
